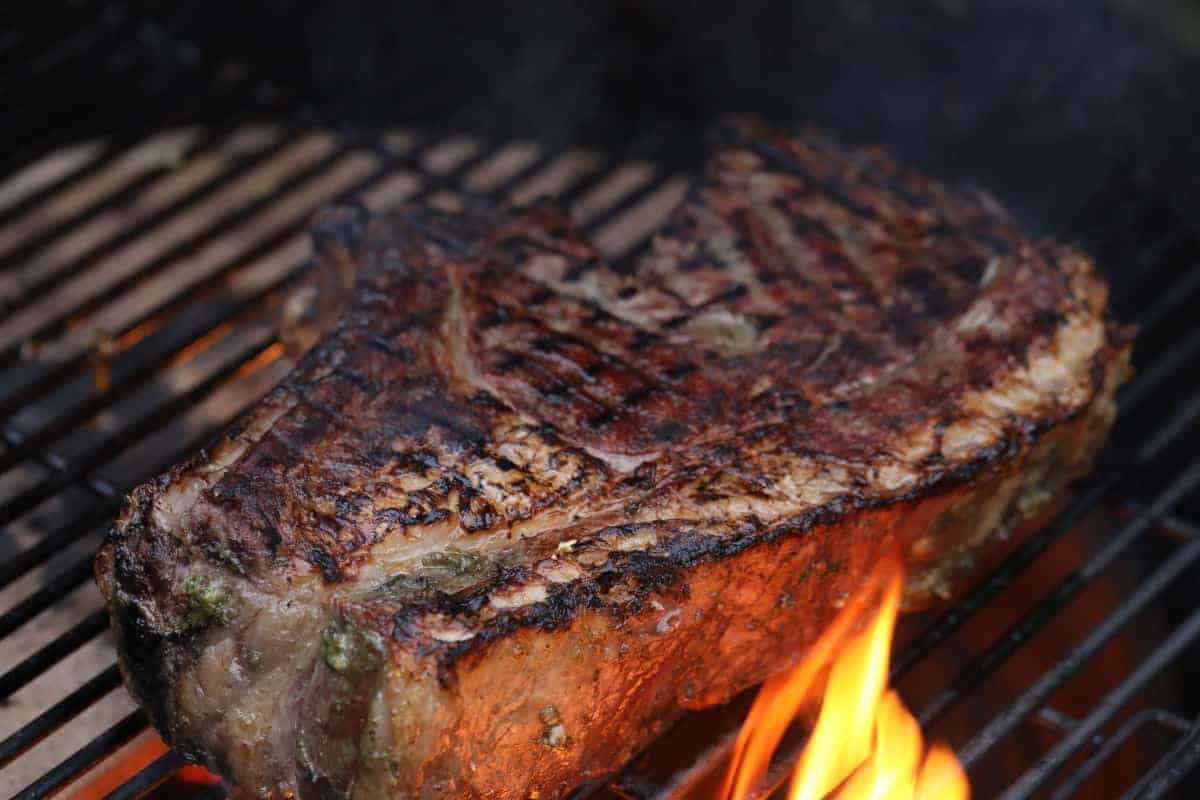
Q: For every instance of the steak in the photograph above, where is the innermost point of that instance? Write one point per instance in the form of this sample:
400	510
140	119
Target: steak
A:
518	508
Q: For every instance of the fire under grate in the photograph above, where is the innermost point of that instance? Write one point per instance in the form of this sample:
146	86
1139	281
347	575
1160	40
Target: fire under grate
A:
141	278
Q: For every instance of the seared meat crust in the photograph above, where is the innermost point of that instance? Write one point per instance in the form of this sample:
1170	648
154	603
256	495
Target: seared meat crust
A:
517	509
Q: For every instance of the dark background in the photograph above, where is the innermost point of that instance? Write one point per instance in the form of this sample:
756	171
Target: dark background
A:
1043	101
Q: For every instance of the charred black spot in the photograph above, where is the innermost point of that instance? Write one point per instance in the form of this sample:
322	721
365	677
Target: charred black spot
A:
399	351
638	395
907	327
859	350
1047	319
580	268
326	563
679	370
427	225
271	537
667	431
540	296
993	241
394	516
509	362
350	504
362	382
341	227
434	515
970	270
642	339
978	343
730	294
641	479
924	286
497	316
327	411
626	292
603	418
786	162
476	514
485	399
1098	370
553	390
145	651
546	344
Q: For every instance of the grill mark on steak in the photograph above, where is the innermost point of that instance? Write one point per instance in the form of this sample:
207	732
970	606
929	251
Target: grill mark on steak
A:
509	477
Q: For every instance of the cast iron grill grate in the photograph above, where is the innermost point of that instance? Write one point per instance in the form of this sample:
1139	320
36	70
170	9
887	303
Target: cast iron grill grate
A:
141	275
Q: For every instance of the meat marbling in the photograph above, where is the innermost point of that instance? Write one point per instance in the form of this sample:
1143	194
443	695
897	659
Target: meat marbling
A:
517	508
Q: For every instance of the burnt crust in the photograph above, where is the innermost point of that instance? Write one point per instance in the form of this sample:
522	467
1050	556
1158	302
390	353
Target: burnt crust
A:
817	337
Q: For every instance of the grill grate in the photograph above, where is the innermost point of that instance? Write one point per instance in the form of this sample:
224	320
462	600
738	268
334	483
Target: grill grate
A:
141	275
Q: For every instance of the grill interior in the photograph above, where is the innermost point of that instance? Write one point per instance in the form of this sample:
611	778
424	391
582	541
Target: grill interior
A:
142	272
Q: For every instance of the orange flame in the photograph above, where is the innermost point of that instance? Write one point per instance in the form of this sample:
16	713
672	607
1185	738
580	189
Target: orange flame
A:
865	744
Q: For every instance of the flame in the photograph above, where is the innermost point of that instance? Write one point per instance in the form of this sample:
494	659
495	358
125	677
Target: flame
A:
865	744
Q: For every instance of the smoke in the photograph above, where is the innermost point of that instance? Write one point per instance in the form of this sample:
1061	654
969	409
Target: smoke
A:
1042	101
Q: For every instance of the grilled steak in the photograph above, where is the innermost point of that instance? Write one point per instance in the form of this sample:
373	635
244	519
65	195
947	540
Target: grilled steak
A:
517	509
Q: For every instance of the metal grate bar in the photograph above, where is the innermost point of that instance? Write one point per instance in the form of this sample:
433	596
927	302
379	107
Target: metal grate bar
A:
1172	768
148	778
125	101
224	98
22	562
512	180
33	666
1170	300
1029	550
1070	785
75	575
125	374
129	234
1181	638
258	251
1168	432
124	187
1036	618
82	564
77	356
122	282
26	560
119	195
51	379
105	154
1145	260
1159	370
50	593
1001	577
982	594
1028	701
100	452
585	183
57	715
80	571
84	759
